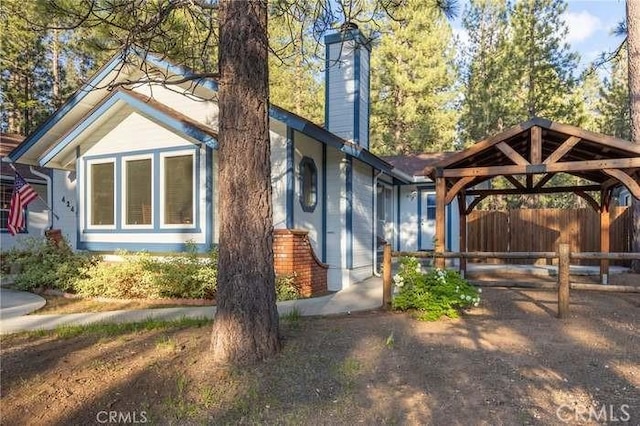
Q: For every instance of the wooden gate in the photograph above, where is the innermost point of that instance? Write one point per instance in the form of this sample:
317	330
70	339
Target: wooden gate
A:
541	230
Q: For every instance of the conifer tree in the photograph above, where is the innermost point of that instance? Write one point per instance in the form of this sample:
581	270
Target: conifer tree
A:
412	96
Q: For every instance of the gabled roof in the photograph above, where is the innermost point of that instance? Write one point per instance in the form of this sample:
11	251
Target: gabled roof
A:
8	142
537	144
81	109
542	147
151	109
415	164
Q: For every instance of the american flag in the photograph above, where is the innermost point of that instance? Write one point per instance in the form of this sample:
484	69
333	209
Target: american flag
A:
23	194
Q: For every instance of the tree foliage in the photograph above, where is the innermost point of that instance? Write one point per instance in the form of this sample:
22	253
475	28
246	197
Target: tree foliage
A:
412	83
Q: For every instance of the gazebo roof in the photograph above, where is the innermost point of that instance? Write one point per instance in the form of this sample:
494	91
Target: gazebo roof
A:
542	147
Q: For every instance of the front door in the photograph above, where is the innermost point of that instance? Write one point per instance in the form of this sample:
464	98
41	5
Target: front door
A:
427	220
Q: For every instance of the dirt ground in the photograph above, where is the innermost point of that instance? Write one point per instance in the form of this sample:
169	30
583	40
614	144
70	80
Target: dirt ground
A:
510	361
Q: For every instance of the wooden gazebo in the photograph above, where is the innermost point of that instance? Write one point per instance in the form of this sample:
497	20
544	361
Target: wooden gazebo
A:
528	156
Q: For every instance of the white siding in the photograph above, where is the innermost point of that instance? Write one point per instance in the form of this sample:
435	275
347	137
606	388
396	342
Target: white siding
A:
309	221
341	91
409	220
135	133
204	111
336	224
362	222
278	134
65	204
364	98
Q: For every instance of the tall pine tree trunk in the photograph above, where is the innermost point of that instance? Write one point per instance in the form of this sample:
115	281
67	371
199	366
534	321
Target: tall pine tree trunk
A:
245	327
633	44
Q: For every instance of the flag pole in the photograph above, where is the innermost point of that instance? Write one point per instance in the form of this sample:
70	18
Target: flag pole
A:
46	203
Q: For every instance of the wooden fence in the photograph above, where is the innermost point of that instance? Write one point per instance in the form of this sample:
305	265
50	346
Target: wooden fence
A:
563	256
541	230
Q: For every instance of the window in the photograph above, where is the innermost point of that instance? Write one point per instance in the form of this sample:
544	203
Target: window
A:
308	184
6	188
101	189
138	189
178	190
431	206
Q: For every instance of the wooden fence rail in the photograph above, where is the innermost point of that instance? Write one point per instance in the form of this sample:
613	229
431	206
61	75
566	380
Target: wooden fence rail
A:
563	255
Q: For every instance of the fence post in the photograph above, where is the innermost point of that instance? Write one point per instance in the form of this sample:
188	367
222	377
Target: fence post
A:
563	280
386	277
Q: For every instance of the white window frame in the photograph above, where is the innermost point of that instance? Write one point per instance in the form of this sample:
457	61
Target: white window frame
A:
123	209
178	153
88	201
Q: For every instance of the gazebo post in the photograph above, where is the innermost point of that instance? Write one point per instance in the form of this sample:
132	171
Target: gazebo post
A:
441	193
462	209
605	220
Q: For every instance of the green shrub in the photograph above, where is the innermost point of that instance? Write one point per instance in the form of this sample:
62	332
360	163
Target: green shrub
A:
142	276
49	265
186	275
129	279
433	294
285	288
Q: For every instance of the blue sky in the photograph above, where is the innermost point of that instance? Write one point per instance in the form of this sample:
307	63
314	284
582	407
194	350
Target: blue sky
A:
590	24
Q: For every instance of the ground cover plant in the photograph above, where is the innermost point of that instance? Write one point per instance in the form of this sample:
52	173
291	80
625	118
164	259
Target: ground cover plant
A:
433	293
188	275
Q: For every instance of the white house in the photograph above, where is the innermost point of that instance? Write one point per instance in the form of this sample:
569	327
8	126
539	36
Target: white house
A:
135	167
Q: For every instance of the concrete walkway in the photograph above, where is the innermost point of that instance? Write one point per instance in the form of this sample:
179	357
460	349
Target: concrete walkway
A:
14	305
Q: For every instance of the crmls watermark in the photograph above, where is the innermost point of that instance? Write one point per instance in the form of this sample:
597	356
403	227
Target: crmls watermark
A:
603	413
133	417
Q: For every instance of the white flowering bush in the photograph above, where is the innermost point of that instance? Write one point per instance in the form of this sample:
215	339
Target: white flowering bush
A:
432	294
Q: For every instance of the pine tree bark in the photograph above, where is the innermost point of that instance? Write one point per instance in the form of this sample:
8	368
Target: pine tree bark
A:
245	327
633	44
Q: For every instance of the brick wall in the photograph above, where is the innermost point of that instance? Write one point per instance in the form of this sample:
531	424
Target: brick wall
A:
293	254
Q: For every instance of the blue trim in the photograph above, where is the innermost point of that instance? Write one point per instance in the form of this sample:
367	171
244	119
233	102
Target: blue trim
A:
117	170
75	99
374	222
398	218
79	206
419	219
209	222
178	70
150	247
326	86
338	37
154	230
321	135
290	183
324	203
154	114
368	145
448	240
356	96
307	162
119	158
349	212
156	188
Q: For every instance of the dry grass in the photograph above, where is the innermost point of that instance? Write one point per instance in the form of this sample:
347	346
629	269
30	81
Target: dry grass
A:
68	305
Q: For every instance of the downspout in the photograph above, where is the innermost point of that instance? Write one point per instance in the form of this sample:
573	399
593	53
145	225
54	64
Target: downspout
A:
375	223
49	194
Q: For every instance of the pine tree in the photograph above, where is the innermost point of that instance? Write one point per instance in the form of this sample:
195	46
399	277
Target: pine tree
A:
487	100
542	64
294	65
613	106
412	80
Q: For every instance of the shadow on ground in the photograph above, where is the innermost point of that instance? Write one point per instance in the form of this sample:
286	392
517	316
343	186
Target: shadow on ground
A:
509	362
